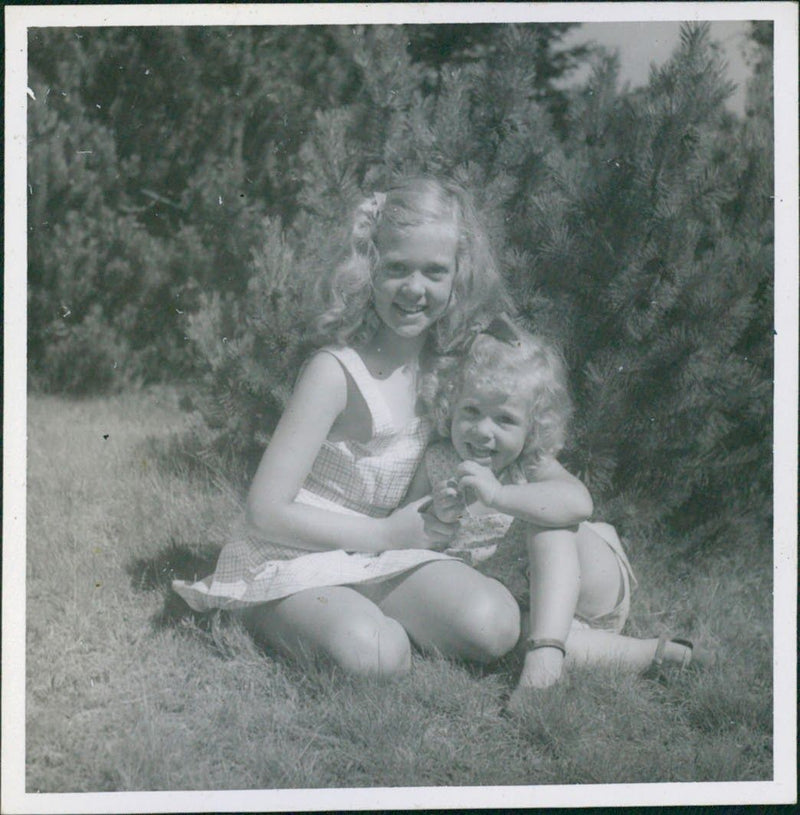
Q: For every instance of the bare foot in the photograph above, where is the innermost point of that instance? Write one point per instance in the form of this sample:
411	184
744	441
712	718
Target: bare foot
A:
542	669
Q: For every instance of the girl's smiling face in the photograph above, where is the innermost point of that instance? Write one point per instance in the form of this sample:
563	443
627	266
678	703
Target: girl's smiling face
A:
489	426
414	280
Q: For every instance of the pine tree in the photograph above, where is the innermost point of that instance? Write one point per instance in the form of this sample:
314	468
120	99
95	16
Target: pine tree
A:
634	227
155	155
633	231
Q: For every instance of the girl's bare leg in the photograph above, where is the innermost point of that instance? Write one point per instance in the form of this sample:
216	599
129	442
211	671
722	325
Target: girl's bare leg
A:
337	622
554	589
587	647
448	607
601	587
602	584
570	571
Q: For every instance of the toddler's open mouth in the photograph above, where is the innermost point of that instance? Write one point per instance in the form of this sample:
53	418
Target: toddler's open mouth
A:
479	453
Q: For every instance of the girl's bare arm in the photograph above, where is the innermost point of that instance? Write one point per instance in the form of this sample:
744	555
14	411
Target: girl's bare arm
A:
553	499
318	400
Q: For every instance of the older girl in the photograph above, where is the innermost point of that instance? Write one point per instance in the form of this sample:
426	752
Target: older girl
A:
333	564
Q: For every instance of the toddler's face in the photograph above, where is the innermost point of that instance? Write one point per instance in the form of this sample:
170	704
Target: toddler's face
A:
413	283
489	426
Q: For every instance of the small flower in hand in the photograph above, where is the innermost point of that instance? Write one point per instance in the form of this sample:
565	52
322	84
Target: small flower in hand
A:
481	480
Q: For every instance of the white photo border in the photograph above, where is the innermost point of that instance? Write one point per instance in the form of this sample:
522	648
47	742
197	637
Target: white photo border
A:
783	787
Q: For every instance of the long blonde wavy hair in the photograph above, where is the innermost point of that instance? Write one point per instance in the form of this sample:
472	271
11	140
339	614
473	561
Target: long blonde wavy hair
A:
342	299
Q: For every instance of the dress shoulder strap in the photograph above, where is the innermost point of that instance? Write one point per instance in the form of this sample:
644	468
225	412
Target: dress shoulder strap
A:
351	361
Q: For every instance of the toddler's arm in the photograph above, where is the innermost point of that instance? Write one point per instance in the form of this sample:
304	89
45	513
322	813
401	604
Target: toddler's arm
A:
318	400
552	499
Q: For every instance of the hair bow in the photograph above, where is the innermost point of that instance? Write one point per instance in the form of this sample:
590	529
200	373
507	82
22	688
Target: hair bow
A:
502	329
367	215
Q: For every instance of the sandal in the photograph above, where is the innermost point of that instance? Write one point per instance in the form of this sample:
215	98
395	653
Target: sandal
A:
696	657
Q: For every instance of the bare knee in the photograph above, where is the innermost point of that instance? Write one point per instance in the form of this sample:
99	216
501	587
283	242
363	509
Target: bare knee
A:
366	646
602	584
490	623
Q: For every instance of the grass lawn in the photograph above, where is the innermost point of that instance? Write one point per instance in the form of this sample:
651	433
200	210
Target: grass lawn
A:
127	692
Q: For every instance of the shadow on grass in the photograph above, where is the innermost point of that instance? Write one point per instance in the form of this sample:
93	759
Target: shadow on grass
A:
175	562
223	633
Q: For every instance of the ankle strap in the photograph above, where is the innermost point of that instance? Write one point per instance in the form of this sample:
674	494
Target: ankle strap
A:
533	645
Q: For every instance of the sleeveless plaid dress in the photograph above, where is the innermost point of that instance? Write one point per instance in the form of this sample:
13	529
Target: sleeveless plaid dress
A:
368	479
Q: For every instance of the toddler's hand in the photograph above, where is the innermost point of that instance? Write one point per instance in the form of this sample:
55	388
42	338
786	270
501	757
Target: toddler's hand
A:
481	480
448	501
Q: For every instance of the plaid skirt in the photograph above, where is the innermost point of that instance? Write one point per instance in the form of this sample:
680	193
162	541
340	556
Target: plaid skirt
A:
251	571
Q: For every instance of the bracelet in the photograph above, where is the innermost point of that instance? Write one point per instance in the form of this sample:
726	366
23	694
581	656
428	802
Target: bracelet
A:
533	645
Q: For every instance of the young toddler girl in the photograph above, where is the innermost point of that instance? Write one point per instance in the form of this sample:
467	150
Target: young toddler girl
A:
505	409
331	563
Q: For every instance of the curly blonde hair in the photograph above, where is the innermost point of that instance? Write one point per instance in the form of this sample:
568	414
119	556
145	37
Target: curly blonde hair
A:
343	298
530	367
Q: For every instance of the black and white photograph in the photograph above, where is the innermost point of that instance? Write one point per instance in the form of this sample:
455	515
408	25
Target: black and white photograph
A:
400	406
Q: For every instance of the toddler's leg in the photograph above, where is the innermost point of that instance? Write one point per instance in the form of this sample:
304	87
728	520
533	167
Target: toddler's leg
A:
590	647
337	622
555	579
448	607
570	571
601	581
